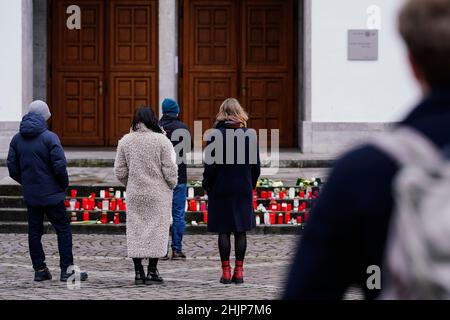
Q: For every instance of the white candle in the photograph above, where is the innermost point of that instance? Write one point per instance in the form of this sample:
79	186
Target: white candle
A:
118	194
102	194
105	205
258	220
266	218
191	193
292	193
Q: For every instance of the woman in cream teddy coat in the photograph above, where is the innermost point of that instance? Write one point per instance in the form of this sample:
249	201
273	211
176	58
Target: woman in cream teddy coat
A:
146	165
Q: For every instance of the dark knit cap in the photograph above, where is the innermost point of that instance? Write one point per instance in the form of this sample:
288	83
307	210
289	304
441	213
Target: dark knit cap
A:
170	106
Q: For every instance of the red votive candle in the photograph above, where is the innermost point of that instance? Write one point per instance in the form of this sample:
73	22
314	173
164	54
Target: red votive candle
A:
272	218
289	207
302	194
269	194
280	218
116	218
281	195
77	205
99	205
192	205
104	219
112	205
264	194
287	218
86	216
299	219
284	206
73	193
85	204
203	206
205	217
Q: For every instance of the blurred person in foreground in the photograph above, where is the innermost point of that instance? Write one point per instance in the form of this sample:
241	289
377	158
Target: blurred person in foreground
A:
348	228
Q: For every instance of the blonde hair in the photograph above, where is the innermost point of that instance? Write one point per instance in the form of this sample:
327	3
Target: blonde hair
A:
231	110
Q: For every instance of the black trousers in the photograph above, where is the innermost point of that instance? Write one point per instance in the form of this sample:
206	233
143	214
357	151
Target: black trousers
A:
60	221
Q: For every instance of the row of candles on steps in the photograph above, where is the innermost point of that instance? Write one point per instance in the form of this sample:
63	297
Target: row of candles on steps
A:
110	201
292	193
288	194
271	218
103	220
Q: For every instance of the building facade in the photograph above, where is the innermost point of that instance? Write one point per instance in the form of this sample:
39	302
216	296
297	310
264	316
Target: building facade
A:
285	60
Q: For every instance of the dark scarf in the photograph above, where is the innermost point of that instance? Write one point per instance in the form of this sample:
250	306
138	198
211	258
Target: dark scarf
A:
229	124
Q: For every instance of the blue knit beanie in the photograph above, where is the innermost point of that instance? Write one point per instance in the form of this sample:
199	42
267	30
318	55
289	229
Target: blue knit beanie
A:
170	106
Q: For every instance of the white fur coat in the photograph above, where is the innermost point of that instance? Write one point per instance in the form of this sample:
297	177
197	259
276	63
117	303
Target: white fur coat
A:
145	164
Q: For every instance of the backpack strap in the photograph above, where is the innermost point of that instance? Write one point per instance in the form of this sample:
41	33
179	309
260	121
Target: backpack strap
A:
407	146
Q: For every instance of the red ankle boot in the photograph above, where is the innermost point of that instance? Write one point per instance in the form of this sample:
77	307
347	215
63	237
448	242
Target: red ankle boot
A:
238	276
226	273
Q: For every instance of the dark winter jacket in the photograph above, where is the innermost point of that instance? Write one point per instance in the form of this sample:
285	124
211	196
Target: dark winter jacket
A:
230	190
170	123
36	160
349	224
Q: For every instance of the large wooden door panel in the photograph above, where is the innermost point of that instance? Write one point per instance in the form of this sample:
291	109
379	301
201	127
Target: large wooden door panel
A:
104	71
82	120
212	30
266	100
210	78
78	73
132	62
133	26
242	49
266	35
78	50
128	92
209	90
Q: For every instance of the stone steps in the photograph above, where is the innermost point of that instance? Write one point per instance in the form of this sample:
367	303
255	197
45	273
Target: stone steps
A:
13	213
109	163
22	227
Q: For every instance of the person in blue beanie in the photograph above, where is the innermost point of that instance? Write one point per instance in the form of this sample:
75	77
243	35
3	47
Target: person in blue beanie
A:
36	160
171	122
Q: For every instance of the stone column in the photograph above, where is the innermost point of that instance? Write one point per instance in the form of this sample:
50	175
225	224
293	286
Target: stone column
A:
168	50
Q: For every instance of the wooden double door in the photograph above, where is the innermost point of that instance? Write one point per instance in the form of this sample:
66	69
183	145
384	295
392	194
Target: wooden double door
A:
102	72
243	49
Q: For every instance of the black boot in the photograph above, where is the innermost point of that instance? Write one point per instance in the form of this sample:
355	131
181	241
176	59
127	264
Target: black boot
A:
140	276
153	276
66	275
42	275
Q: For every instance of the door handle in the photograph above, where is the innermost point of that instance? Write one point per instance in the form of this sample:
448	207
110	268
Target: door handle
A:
100	88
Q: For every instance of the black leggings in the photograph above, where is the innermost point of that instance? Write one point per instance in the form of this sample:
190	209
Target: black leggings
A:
240	245
152	264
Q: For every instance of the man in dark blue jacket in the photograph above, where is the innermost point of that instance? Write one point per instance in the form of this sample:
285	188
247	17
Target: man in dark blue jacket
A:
170	123
36	160
348	227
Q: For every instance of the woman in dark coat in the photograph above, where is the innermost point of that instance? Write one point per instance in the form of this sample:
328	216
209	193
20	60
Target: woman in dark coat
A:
229	181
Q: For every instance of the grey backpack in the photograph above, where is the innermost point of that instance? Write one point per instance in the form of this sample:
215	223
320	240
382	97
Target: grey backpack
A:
417	256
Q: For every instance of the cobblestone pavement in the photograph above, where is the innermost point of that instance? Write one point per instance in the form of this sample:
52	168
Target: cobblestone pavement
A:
111	276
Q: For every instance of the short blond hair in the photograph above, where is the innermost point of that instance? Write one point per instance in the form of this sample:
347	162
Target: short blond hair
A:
231	109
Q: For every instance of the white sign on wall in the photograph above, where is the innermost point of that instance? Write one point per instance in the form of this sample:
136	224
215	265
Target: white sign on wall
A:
362	45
